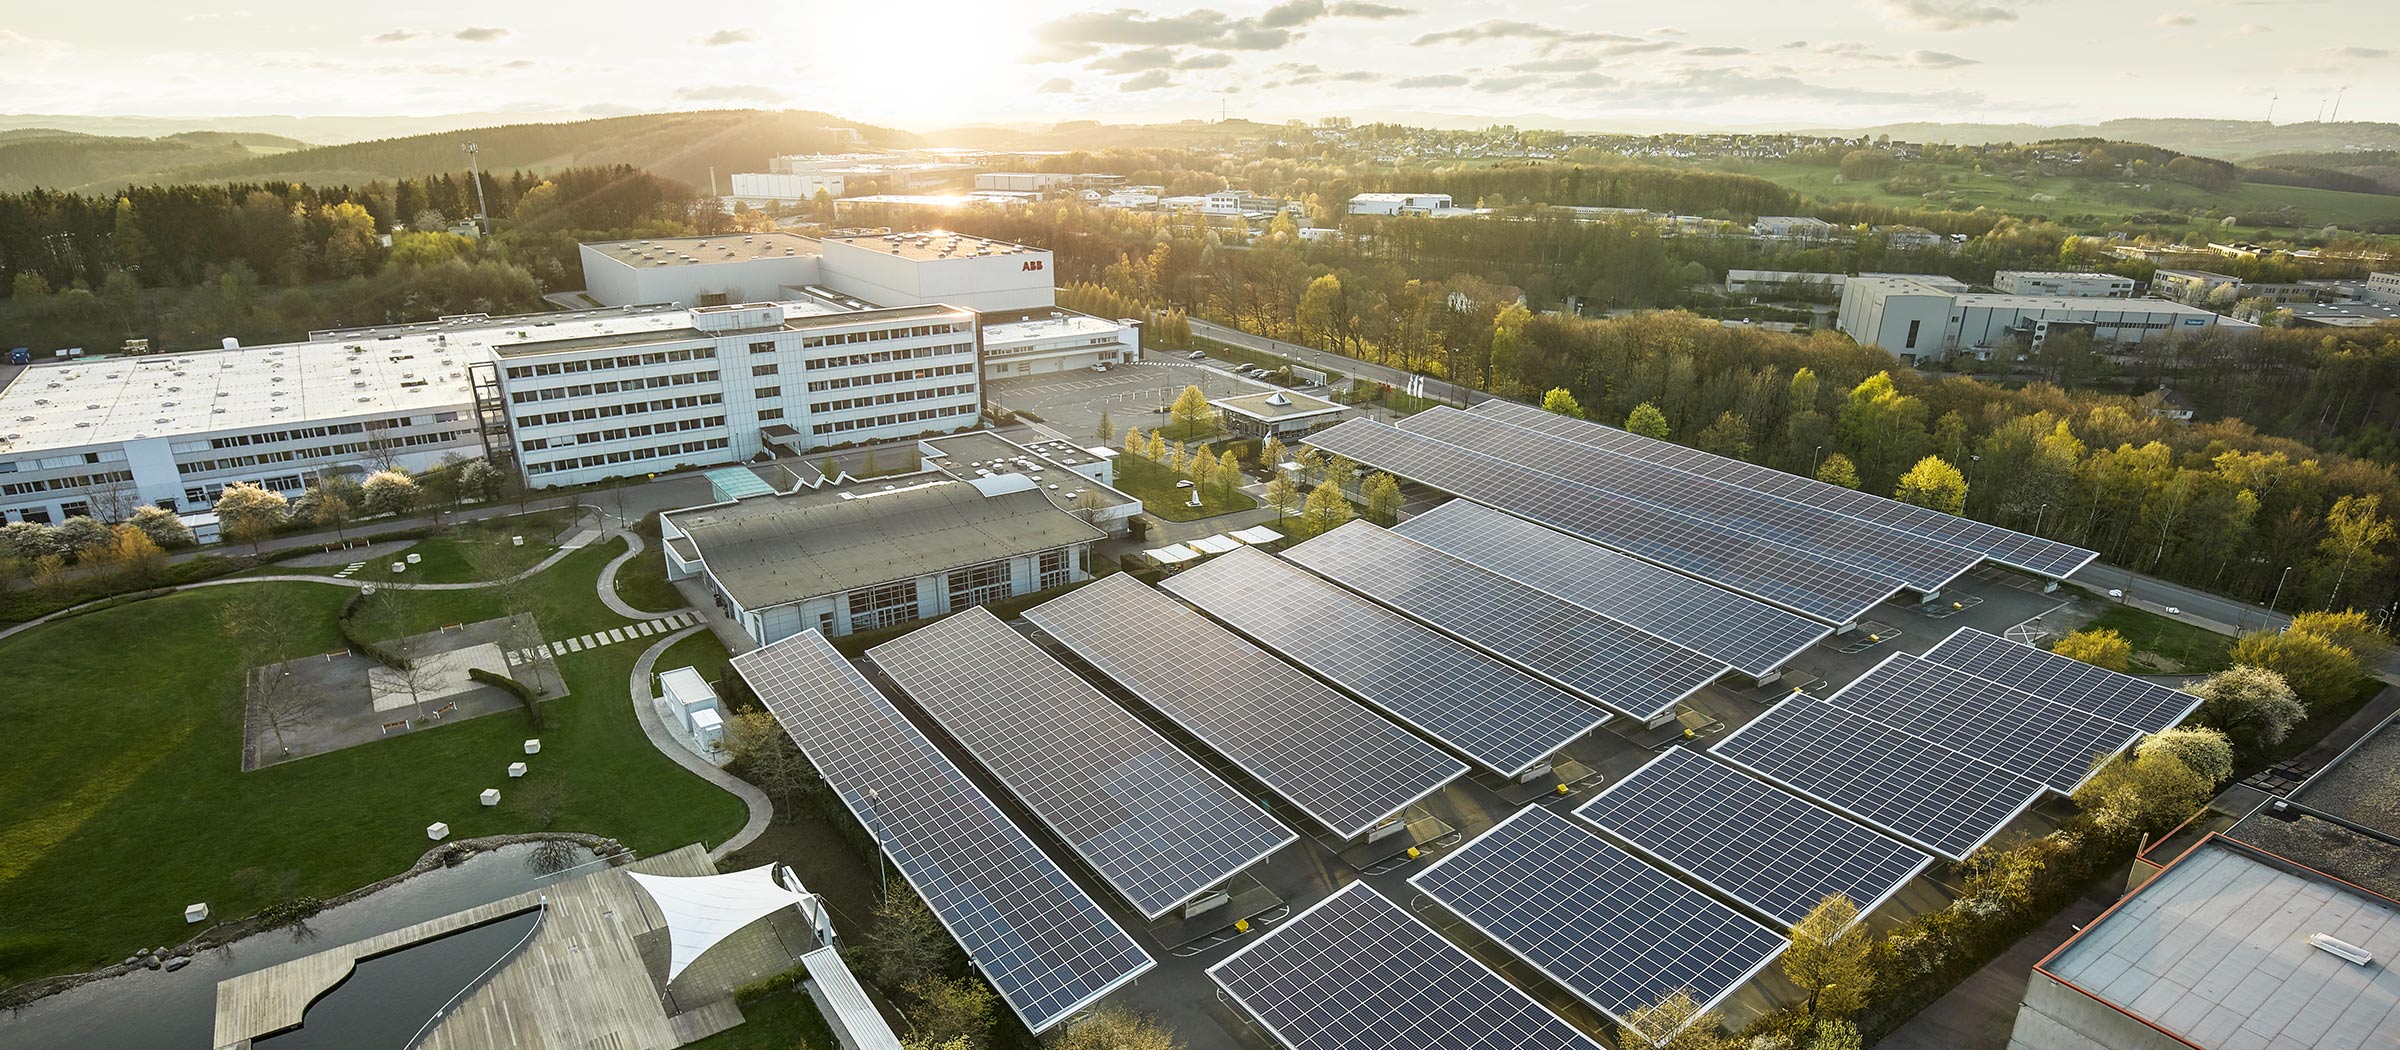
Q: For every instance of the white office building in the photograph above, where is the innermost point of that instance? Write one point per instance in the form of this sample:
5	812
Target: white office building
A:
1399	203
2383	288
768	187
2065	284
1921	321
825	344
2191	286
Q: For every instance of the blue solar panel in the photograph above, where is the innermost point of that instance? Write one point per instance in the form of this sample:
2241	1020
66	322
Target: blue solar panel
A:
1921	563
1756	638
1615	931
1044	944
2121	698
1630	670
2031	553
1749	840
1346	768
1357	972
1797	579
1499	717
2047	743
1922	792
1158	826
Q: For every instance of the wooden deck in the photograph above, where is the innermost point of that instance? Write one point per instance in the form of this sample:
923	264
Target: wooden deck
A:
582	981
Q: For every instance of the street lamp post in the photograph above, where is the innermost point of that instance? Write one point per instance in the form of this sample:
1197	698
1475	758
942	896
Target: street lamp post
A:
2037	518
1813	457
2287	574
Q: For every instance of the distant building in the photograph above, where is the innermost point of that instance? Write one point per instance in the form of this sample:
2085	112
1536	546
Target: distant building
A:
2190	286
762	188
2071	284
901	269
1780	282
1399	203
1922	321
1025	181
1906	237
865	557
2342	315
2383	288
1793	227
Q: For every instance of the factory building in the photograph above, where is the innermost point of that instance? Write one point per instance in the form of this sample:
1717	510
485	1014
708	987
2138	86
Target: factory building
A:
763	187
1399	203
2383	288
1921	321
2065	284
1793	228
860	557
816	345
2190	286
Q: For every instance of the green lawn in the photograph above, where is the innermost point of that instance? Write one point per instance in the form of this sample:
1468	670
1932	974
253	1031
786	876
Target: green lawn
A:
2164	646
642	582
781	1021
126	802
1154	485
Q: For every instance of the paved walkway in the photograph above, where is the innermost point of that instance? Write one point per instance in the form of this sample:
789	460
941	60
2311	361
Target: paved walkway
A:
655	625
608	582
645	708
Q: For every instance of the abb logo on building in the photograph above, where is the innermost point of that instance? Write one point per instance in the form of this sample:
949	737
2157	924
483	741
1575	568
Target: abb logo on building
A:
1033	264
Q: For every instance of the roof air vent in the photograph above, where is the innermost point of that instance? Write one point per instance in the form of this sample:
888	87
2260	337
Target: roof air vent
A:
2337	948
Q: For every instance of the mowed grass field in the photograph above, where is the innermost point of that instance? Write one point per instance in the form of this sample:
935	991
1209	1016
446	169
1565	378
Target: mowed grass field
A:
2104	200
125	799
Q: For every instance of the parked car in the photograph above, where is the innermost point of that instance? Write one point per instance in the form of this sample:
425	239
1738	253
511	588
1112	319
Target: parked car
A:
1197	354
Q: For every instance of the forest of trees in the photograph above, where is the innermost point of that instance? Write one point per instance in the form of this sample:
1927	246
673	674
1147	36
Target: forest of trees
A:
184	265
2218	504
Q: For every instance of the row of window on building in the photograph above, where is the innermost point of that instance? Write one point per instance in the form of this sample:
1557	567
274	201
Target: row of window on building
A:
553	393
348	448
628	456
630	408
598	364
892	398
875	335
892	419
819	386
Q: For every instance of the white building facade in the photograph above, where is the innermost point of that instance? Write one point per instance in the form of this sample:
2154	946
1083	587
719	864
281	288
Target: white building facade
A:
2066	284
1399	203
1920	321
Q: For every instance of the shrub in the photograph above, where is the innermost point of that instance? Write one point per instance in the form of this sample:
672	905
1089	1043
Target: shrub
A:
2320	671
2099	648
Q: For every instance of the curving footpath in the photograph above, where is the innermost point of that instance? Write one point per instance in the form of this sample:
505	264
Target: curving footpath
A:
645	708
608	581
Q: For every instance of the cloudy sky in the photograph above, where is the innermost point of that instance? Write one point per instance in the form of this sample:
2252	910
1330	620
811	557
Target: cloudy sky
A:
927	64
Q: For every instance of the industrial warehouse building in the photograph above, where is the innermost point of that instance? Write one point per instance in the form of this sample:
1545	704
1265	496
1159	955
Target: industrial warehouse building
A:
1922	321
1399	203
860	557
568	398
2066	284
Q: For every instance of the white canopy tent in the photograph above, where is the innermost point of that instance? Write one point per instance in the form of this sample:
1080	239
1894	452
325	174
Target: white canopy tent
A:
702	910
1219	544
1256	534
1172	554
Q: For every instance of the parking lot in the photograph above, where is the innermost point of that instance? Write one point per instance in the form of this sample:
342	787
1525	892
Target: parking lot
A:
1135	395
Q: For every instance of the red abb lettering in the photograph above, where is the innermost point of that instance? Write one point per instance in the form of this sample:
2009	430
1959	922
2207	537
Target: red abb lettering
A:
1033	264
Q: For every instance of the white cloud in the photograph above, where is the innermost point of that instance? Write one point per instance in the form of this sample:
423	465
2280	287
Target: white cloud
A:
2177	20
1947	15
480	34
724	37
1150	81
1938	60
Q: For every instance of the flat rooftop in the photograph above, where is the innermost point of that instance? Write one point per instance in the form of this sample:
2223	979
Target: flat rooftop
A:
1066	325
772	550
2105	304
925	247
339	374
983	454
2215	949
732	247
2345	315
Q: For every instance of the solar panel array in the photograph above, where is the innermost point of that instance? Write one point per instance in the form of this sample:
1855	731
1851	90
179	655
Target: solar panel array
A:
2118	697
1796	579
1346	768
1629	670
1926	794
1921	563
1755	638
1499	717
1615	931
2048	743
2031	553
1044	944
1155	824
1748	840
1358	972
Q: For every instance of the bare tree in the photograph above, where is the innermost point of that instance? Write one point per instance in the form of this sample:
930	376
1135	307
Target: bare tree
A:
542	800
389	611
283	701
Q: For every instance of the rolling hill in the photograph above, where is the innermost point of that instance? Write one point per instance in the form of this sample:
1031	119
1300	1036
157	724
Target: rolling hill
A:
31	157
680	146
2238	140
676	145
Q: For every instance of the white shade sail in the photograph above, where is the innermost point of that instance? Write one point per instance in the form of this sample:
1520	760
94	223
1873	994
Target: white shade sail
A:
704	909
